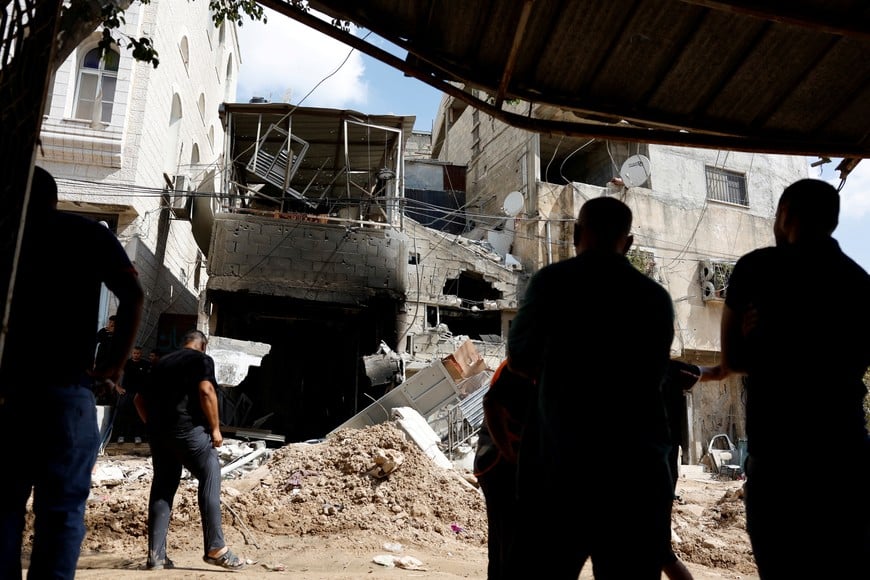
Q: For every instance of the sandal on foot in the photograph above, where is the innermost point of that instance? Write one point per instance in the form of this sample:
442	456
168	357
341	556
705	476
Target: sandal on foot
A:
226	560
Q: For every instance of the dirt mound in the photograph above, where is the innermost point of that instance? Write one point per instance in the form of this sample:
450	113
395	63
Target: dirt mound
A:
372	479
351	495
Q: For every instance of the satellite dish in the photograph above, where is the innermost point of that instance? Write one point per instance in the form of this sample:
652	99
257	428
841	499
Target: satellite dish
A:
635	171
513	203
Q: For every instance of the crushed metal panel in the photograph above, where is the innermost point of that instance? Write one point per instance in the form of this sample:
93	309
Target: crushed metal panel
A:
385	367
426	391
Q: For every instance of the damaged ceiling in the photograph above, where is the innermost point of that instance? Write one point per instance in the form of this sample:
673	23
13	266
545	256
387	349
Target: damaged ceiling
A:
340	153
762	76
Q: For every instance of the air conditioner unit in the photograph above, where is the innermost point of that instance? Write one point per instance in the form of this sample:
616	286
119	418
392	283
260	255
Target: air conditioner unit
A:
708	291
181	201
713	277
705	271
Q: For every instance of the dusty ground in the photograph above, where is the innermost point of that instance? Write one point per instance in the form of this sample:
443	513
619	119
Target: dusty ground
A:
321	512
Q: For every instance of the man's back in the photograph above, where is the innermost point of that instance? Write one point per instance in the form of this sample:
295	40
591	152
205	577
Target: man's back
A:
593	313
64	260
809	348
596	333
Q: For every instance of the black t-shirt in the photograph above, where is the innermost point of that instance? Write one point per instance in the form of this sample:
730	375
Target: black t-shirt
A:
135	375
64	260
171	393
808	351
600	332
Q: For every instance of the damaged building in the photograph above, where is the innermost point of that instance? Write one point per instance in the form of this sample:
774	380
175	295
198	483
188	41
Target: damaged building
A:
695	212
361	266
312	254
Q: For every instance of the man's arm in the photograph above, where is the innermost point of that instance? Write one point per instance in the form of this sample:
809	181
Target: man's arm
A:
139	403
209	402
733	343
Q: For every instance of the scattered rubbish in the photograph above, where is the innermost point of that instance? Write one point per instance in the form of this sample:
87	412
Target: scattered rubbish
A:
393	547
331	509
274	567
404	562
295	480
385	462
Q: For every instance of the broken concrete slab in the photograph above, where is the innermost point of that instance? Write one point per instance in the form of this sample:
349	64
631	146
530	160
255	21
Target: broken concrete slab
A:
233	358
422	434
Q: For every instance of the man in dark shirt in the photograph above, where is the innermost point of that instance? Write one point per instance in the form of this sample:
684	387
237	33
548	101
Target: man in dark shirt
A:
796	322
127	422
596	334
104	393
48	408
179	406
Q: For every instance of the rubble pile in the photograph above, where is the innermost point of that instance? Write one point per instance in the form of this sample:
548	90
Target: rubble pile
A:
358	489
373	479
710	529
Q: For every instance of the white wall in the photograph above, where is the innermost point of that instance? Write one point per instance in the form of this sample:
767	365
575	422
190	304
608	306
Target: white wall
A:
119	167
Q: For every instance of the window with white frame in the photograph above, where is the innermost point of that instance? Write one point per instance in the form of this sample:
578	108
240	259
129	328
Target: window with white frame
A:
95	90
726	186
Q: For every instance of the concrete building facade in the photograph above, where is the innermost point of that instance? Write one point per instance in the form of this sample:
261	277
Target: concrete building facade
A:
696	211
133	145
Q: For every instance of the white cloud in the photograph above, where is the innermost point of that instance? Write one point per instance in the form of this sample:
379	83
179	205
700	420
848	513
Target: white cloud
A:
283	60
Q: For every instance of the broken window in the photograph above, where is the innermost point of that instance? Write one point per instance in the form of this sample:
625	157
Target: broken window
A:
471	288
471	323
476	314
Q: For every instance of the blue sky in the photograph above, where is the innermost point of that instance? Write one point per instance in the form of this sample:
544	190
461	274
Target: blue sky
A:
284	60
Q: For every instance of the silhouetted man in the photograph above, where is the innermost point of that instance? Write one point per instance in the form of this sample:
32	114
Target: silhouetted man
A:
596	334
796	322
46	403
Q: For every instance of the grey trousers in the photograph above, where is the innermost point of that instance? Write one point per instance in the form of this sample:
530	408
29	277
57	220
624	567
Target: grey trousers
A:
193	450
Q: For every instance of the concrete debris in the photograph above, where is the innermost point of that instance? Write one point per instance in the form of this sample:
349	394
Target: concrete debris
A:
237	458
404	562
386	461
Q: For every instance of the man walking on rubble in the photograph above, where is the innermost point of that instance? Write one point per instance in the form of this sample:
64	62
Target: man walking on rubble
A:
804	346
596	334
179	407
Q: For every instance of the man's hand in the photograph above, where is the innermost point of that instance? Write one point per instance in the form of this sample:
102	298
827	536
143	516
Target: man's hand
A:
110	374
216	438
